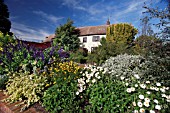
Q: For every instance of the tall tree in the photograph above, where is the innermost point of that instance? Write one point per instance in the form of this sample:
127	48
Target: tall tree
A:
146	27
164	18
5	24
67	36
121	33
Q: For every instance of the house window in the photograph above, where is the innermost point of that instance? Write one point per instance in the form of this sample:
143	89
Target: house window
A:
93	49
96	39
84	39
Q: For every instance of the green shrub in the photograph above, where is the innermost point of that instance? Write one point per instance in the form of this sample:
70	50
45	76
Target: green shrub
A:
61	97
126	66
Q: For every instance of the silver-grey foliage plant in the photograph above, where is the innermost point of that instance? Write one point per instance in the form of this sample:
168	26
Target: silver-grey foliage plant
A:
124	66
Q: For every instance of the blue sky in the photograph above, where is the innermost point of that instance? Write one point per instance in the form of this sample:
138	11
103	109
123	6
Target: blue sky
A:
33	20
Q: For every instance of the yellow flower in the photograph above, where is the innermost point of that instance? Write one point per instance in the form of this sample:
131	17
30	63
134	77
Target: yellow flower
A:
54	83
43	73
47	85
1	49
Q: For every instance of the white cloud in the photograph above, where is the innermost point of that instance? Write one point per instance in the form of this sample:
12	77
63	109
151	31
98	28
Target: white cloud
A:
48	17
89	8
70	2
25	32
100	11
96	9
134	6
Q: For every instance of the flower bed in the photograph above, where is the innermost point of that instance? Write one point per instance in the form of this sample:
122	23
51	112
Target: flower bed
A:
126	83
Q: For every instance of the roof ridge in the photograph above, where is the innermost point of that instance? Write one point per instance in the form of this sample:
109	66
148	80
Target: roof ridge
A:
92	26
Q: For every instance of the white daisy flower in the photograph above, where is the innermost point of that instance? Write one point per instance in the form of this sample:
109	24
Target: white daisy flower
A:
152	88
143	86
88	80
88	76
148	92
134	103
152	111
98	77
156	89
163	95
162	90
167	88
77	93
141	97
156	101
94	80
127	84
164	87
136	85
147	100
148	82
136	76
135	111
81	81
142	110
81	89
132	89
129	90
122	77
158	84
84	87
158	107
140	104
146	104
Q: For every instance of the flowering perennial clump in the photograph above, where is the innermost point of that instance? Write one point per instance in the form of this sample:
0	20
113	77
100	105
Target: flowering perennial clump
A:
65	67
89	77
26	87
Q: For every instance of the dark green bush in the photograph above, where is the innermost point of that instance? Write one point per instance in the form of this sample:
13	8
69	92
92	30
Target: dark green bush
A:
3	80
80	56
109	49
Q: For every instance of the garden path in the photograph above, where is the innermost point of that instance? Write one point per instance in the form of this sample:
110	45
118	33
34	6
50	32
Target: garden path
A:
11	108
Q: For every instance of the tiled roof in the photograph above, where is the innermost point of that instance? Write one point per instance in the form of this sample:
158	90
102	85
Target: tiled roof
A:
93	30
85	31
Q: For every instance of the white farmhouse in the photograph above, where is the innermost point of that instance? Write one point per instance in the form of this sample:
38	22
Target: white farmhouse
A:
89	36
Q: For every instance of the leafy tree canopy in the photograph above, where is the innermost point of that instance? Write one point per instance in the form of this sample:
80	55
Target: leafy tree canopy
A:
108	49
67	36
147	45
5	24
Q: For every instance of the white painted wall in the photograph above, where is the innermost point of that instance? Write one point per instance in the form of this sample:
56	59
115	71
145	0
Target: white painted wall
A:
89	44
